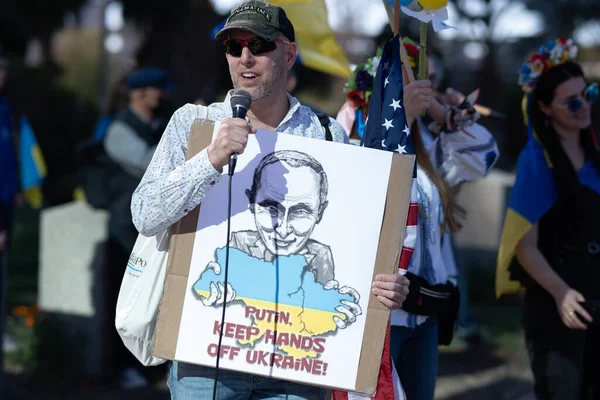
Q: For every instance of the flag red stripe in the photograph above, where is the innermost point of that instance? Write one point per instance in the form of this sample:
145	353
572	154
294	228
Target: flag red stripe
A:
413	214
385	380
405	257
385	383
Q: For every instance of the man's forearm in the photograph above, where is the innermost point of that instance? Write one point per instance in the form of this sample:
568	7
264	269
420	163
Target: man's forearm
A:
163	199
172	186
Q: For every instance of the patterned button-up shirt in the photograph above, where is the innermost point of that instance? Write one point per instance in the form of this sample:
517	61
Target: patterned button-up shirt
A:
172	186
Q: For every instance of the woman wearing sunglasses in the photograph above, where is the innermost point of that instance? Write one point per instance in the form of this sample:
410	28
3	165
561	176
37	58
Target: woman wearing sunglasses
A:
553	226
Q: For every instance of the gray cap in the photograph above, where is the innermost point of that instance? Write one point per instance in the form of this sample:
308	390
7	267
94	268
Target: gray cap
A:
261	18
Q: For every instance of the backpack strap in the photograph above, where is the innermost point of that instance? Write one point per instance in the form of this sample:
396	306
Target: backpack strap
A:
324	119
201	112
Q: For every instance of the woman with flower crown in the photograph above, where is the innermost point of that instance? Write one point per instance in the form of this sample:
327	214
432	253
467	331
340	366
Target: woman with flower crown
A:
553	226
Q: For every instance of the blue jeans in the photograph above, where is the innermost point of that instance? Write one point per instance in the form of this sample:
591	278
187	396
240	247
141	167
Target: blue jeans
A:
415	355
191	382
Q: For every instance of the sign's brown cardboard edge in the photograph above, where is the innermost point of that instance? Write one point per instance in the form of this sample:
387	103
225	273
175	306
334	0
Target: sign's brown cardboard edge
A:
183	234
386	262
388	254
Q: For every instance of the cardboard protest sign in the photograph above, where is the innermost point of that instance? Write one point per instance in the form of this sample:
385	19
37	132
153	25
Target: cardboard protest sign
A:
312	223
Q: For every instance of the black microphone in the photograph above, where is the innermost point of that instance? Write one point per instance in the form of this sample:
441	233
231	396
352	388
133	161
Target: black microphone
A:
240	104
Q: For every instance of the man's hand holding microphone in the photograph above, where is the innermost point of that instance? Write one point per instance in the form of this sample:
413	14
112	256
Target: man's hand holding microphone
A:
232	136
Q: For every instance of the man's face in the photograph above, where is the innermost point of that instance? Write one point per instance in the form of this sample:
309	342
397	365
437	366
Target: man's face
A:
259	75
287	207
152	97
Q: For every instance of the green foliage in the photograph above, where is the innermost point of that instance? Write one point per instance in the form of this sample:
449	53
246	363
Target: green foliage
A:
25	356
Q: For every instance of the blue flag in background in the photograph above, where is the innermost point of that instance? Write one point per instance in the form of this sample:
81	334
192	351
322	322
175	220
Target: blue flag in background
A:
9	183
33	167
217	28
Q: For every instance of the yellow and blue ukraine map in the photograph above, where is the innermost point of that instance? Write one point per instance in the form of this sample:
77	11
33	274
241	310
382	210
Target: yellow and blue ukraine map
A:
284	286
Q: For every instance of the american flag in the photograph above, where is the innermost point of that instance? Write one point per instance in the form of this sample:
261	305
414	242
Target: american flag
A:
387	129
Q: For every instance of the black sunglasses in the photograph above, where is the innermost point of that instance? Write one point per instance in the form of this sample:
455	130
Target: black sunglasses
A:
591	94
256	46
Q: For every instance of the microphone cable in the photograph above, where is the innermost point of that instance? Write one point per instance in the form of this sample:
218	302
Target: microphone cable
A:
232	164
240	104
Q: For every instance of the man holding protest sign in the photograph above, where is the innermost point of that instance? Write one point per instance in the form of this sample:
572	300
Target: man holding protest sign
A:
260	50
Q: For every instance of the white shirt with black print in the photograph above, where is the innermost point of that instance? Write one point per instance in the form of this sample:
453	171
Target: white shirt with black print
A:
172	187
459	157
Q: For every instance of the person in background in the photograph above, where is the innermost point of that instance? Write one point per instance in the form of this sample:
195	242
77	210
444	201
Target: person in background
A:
468	333
459	151
450	157
553	226
130	142
353	114
119	99
9	180
9	195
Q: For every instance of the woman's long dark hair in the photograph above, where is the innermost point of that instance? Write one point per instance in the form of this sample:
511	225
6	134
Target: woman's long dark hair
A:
452	211
567	182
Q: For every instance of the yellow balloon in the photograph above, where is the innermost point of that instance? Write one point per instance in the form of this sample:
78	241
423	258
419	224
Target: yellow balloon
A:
433	4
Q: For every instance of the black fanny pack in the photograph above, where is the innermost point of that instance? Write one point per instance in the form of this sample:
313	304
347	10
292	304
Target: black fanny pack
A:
441	301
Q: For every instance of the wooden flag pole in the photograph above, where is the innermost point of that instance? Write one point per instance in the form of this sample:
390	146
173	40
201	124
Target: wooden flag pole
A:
397	15
406	63
423	51
391	18
395	24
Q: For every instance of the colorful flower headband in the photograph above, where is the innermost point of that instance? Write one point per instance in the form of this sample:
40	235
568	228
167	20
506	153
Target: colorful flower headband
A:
412	51
360	84
551	54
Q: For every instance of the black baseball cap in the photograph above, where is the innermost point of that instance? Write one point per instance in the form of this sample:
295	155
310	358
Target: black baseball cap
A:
261	18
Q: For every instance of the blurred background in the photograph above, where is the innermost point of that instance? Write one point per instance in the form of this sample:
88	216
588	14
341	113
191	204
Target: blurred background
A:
65	61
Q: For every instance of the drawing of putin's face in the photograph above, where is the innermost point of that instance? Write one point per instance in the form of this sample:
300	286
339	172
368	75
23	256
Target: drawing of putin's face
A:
288	197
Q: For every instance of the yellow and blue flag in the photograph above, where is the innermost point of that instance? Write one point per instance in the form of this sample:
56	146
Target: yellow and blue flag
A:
33	167
532	196
319	48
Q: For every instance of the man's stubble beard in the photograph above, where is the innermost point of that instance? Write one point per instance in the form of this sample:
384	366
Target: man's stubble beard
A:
267	87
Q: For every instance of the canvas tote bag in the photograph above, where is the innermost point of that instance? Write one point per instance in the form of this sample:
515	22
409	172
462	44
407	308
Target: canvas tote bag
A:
141	291
140	294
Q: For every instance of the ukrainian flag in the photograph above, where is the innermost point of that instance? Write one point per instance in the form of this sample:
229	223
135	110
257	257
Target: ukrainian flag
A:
282	287
532	197
318	46
33	167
